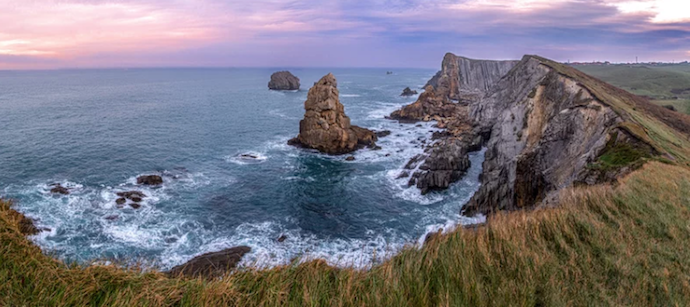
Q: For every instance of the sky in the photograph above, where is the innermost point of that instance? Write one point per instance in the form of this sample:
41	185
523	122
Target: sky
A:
48	34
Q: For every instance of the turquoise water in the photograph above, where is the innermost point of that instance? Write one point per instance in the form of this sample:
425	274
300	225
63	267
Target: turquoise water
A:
95	131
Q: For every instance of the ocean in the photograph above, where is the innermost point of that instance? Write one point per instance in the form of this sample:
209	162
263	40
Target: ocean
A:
95	131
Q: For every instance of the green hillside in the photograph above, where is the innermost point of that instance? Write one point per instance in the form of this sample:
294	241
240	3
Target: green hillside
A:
664	85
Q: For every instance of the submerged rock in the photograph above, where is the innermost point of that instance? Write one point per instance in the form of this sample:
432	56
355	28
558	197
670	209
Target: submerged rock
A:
408	92
383	133
150	180
131	194
350	158
59	189
211	265
284	81
325	126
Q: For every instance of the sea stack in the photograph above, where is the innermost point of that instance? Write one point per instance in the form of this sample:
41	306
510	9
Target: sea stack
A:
325	126
283	81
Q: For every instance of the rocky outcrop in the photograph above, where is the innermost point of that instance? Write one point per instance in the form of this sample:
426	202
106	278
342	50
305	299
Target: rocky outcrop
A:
446	159
135	198
466	80
408	92
59	189
150	180
547	131
545	126
211	265
283	81
325	126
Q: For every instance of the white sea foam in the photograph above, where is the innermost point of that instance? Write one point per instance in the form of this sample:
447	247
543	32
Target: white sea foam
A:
251	157
349	95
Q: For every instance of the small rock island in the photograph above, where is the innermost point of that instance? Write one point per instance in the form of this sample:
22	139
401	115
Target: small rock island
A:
283	81
325	126
408	92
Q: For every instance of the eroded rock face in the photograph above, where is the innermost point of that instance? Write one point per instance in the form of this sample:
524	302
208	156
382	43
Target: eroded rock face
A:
545	130
325	126
465	80
211	265
283	81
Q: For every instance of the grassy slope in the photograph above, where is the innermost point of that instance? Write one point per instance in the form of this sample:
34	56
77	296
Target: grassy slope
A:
665	130
628	245
656	82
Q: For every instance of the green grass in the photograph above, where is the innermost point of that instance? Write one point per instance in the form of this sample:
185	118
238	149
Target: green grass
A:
656	82
604	246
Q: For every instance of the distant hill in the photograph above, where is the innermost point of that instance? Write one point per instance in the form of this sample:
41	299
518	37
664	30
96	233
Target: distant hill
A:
662	84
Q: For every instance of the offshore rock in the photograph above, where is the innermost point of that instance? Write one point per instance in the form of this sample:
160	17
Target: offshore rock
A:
150	180
211	265
408	92
59	189
283	81
325	126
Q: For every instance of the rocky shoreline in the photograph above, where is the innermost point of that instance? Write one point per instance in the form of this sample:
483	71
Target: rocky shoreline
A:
543	128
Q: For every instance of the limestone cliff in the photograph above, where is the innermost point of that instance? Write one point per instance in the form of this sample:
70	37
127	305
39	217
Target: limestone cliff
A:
325	126
446	160
465	80
546	126
547	132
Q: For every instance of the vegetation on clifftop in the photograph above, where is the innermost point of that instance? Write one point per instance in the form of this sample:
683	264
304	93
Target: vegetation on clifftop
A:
604	246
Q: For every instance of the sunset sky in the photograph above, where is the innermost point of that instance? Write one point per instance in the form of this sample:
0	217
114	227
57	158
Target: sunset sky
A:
37	34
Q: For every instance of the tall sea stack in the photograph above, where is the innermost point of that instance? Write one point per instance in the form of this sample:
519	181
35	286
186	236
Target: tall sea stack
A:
325	126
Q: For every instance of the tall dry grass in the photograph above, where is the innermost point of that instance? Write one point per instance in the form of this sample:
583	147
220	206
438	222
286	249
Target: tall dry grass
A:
603	246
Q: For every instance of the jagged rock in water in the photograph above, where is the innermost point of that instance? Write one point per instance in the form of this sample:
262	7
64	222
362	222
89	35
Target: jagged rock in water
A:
325	126
150	180
283	81
426	107
211	265
446	163
546	129
59	189
408	92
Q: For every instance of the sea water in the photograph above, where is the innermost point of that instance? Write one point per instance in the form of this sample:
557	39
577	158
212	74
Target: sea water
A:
95	131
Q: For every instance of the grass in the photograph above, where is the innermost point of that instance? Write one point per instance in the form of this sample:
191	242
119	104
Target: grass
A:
662	84
604	246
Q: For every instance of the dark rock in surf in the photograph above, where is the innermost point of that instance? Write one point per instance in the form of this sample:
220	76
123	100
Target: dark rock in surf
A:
150	180
120	201
282	238
350	158
135	205
383	133
284	81
408	92
59	189
211	265
131	194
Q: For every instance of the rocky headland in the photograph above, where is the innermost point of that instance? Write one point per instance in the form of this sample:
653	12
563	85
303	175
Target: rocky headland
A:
283	81
545	126
325	126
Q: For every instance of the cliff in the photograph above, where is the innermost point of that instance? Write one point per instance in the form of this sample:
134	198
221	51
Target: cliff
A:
546	126
552	127
464	80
